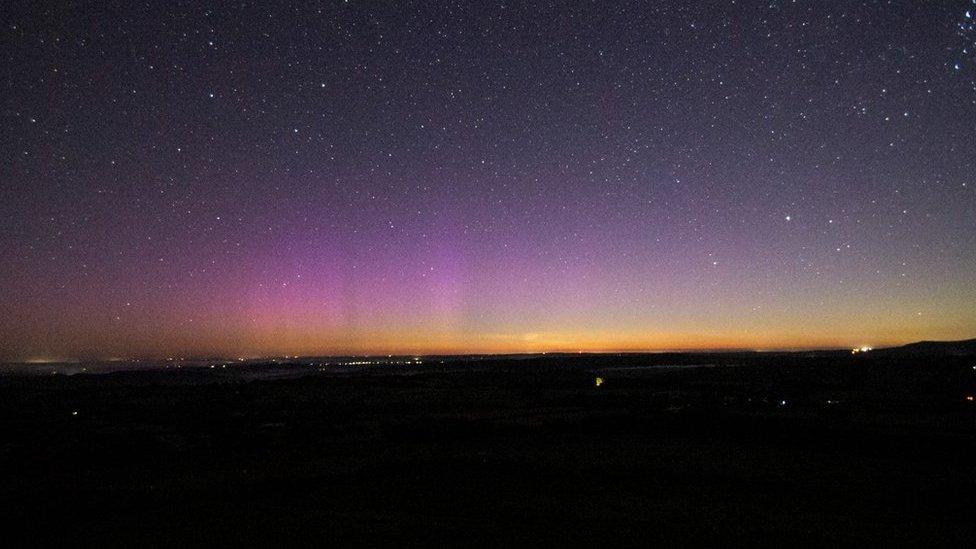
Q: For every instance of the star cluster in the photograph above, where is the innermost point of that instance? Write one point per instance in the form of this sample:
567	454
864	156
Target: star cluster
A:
368	177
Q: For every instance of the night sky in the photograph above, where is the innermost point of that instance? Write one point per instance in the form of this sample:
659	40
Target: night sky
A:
248	179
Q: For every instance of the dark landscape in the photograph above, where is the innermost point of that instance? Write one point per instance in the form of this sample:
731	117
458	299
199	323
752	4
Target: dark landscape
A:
801	448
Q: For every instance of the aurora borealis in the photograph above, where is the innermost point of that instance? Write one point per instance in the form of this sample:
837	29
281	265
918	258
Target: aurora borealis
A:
450	177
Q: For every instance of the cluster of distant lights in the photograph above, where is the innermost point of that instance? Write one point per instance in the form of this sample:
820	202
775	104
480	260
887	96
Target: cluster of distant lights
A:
389	360
415	360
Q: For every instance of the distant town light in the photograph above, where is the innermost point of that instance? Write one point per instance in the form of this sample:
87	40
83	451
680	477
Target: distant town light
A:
863	349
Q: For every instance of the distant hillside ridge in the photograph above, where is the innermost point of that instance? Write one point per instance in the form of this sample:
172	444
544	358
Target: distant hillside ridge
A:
966	347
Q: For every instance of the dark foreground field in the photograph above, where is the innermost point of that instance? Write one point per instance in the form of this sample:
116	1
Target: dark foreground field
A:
774	448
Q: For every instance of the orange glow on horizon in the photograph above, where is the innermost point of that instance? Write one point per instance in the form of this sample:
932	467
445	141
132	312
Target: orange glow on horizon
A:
282	342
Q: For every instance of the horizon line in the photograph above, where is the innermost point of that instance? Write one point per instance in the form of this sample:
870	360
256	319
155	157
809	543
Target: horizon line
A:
244	357
253	358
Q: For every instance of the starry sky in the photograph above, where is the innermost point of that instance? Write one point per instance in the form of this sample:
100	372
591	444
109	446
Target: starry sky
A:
246	179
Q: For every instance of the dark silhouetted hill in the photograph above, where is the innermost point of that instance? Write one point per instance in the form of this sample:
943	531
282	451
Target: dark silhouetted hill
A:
965	347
